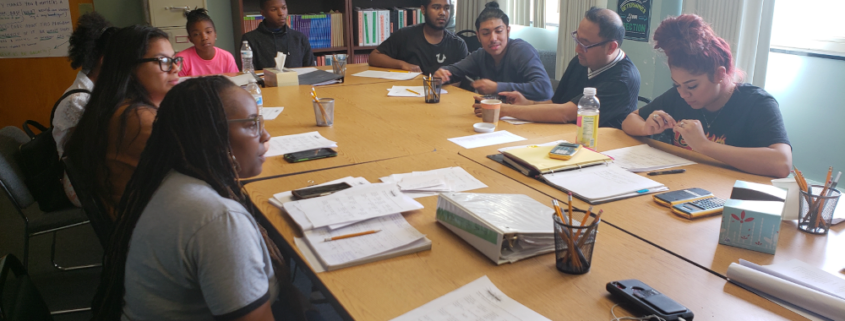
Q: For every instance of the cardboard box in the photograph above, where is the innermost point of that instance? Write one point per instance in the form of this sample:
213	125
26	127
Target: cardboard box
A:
752	225
276	78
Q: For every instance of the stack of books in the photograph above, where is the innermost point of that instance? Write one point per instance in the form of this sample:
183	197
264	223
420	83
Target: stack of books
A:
374	26
324	30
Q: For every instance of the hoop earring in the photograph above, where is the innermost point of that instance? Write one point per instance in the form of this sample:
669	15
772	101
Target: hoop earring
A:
235	163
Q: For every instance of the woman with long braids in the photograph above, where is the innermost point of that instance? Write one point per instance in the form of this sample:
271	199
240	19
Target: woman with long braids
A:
187	244
138	69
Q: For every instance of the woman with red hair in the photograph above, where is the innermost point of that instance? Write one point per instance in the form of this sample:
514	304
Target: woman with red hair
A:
708	110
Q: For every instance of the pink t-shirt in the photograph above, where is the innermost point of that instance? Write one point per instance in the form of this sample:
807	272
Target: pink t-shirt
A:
194	65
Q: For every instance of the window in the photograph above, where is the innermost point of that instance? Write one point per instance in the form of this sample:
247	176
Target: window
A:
809	25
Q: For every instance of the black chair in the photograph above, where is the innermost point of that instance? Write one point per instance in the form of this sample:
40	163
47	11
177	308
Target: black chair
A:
469	36
94	208
643	99
36	222
19	298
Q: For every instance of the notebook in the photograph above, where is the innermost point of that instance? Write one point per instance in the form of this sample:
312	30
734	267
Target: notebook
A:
536	158
605	183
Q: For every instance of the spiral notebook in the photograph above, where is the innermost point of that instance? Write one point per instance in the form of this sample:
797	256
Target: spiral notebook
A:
603	183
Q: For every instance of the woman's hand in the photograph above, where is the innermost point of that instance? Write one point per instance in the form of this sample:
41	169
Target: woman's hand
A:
692	132
657	122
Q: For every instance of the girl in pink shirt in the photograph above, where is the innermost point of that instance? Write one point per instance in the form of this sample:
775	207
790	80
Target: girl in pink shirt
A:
204	58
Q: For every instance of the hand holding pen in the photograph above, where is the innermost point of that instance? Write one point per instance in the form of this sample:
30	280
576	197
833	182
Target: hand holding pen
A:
658	121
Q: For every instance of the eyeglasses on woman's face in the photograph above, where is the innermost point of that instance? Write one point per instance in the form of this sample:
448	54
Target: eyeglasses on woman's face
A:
255	126
164	63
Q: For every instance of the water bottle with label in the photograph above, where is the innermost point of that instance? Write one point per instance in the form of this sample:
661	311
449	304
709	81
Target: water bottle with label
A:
246	58
588	119
255	91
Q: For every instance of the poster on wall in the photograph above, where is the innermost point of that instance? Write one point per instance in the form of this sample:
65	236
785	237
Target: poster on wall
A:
34	28
635	17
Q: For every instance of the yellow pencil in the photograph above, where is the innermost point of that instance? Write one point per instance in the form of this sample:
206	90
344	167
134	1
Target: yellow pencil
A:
415	93
351	235
403	71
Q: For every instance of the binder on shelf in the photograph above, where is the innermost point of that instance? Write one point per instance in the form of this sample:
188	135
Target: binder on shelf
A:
504	227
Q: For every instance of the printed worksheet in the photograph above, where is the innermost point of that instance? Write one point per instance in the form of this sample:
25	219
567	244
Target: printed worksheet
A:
454	179
279	200
478	300
394	75
271	113
480	140
393	232
409	91
281	145
354	204
644	158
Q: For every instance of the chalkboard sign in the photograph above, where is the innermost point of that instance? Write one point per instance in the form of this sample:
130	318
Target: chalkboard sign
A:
635	17
34	28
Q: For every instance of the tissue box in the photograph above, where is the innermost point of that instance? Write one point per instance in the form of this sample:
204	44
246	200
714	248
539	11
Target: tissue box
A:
278	78
752	225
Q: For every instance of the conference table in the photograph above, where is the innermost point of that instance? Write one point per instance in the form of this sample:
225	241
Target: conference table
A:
378	136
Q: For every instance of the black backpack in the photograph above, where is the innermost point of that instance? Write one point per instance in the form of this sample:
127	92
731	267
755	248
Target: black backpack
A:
41	165
469	36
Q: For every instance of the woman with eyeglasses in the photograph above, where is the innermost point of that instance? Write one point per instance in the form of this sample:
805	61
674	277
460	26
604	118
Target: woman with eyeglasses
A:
187	244
709	110
138	70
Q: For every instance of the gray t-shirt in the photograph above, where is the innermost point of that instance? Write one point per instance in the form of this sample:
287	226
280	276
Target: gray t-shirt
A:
195	255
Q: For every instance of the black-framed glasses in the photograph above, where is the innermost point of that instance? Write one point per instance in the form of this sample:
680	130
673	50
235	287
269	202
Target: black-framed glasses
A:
583	46
164	63
256	126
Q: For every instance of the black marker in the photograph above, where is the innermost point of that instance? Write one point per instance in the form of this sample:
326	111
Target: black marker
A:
674	171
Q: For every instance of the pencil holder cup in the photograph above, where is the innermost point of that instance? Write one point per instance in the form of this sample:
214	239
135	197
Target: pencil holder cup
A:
816	211
431	88
339	64
324	112
574	244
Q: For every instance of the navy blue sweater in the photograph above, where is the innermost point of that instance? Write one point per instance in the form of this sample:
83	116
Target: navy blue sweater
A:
265	43
520	70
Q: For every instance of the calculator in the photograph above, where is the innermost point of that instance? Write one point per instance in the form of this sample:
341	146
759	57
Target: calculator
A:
699	208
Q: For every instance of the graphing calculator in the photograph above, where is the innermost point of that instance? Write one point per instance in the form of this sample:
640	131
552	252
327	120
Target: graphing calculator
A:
700	208
564	151
673	198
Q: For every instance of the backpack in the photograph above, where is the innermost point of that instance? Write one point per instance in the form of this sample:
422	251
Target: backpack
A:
41	165
469	36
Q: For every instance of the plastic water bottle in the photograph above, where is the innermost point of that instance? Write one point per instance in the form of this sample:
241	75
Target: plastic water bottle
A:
588	119
255	91
246	58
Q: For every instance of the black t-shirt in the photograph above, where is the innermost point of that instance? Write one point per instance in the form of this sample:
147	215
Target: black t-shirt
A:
750	118
617	89
409	45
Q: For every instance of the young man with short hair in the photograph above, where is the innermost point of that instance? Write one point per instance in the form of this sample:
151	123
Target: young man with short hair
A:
600	64
424	47
273	35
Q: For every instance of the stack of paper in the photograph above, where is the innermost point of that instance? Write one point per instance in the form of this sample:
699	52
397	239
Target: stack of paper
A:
481	140
478	300
514	121
281	145
387	75
793	284
430	183
534	159
395	237
644	158
409	91
603	183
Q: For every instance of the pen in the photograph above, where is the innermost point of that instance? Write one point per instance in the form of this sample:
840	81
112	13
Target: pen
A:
415	93
470	79
351	235
674	171
402	71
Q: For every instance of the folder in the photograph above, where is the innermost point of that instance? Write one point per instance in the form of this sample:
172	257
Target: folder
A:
536	158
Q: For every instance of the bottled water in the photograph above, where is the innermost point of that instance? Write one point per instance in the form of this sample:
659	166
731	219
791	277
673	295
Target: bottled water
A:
588	119
246	58
255	91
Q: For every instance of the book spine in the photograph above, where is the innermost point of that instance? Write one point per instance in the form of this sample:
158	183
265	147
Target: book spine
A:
360	29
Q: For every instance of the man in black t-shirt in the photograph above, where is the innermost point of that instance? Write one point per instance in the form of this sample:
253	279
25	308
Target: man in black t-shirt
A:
600	64
424	47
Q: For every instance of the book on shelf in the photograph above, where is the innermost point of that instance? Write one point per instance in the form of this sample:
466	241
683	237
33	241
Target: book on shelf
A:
373	26
324	30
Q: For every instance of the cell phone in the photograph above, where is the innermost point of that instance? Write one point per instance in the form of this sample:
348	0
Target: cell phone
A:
700	208
649	300
310	155
317	191
673	198
564	151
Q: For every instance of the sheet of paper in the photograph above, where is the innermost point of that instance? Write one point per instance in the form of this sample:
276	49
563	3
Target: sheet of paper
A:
301	71
601	181
279	199
481	140
807	275
395	232
478	300
308	255
281	145
455	178
403	91
523	146
387	75
644	158
240	80
415	183
355	204
271	113
750	277
514	121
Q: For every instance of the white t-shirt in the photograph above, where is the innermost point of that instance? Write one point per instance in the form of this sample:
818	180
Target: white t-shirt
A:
70	110
195	255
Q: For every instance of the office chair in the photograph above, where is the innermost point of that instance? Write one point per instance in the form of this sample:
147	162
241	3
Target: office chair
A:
95	209
19	298
36	222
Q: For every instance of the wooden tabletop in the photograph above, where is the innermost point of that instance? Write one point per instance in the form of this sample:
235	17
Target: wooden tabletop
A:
696	240
389	288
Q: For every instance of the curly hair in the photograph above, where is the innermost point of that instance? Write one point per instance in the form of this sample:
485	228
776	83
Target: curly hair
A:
88	41
689	43
197	15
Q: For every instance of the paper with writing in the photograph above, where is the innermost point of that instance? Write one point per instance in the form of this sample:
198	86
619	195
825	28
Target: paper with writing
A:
279	199
644	158
403	91
355	204
480	140
395	232
271	113
281	145
601	181
478	300
34	29
455	179
387	75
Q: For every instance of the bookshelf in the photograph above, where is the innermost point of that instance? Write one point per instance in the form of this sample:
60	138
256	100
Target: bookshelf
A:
242	8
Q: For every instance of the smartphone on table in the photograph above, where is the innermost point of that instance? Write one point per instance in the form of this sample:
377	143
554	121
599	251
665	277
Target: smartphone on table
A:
317	191
312	154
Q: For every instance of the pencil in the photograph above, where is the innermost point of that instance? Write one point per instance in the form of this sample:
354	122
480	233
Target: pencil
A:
584	221
558	211
415	93
570	211
402	71
590	230
351	235
316	100
820	202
